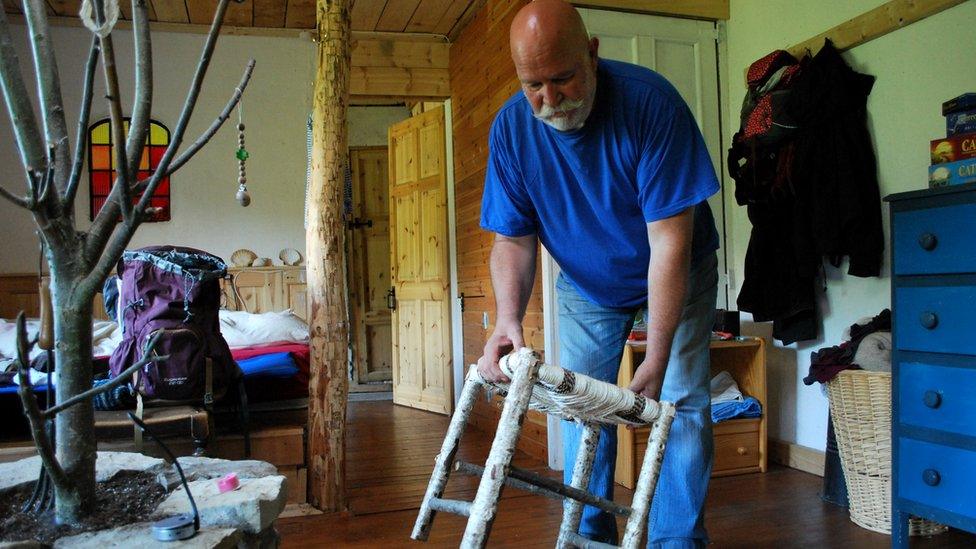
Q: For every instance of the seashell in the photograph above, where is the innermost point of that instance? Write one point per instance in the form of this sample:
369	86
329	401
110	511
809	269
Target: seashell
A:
243	257
262	262
290	256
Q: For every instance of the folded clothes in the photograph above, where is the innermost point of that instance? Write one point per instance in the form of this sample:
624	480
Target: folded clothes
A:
732	409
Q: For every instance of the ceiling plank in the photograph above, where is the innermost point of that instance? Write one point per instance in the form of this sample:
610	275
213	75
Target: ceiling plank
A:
300	14
269	13
11	6
65	8
712	10
427	15
201	12
365	14
171	11
397	82
396	14
389	53
126	8
240	15
466	18
450	17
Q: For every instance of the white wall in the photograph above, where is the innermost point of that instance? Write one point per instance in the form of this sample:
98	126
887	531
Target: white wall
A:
204	212
917	68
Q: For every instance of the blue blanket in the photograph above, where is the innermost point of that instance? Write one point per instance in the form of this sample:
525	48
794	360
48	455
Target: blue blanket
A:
748	407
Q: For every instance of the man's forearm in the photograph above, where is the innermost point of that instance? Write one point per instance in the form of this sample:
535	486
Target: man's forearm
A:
512	275
668	276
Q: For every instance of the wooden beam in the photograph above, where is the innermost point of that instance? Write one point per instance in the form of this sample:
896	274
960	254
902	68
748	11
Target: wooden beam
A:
403	54
397	82
883	19
712	10
325	249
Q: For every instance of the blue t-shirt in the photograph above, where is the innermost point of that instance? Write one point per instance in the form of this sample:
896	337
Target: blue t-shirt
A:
589	194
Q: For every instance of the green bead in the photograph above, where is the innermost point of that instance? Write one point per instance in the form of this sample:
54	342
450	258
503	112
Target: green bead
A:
242	154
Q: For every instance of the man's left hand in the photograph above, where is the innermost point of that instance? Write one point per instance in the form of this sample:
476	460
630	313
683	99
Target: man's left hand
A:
648	380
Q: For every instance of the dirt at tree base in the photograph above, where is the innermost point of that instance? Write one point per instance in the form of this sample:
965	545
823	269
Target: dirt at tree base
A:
129	496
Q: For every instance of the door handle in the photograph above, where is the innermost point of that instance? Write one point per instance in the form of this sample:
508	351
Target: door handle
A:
391	298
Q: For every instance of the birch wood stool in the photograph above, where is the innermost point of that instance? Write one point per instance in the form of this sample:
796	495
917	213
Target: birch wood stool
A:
568	395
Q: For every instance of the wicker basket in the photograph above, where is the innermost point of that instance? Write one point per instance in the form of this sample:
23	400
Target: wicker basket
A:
860	404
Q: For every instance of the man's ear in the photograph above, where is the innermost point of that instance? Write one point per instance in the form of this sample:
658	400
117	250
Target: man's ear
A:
593	47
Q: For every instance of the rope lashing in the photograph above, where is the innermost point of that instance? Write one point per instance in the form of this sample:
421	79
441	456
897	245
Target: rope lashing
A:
576	396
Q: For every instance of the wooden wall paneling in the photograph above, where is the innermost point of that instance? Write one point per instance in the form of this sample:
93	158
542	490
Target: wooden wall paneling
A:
300	14
396	14
427	15
171	11
712	10
269	13
473	8
18	293
365	14
401	53
67	8
399	82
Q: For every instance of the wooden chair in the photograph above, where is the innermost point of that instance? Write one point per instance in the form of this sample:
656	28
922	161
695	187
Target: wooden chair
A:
571	396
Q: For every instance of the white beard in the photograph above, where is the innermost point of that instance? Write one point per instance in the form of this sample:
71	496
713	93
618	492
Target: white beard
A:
574	114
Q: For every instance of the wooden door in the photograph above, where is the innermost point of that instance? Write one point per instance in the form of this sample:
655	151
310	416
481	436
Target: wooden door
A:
368	239
419	263
683	51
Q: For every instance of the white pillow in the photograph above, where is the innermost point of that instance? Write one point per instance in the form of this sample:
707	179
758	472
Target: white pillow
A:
243	329
8	338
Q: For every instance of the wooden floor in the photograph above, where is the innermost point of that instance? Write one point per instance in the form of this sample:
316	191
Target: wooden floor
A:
391	451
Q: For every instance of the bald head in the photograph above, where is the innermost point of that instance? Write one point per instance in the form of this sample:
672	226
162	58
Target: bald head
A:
547	27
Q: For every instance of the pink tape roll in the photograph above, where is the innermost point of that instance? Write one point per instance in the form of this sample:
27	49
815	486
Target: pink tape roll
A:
228	482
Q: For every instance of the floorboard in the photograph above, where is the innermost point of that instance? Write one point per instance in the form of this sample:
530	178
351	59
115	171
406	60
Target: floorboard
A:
391	451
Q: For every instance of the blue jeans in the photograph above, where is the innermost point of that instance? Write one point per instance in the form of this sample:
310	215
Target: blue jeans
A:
591	339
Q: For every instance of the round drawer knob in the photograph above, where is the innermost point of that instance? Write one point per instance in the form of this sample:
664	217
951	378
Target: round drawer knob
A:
741	450
931	477
929	320
928	242
932	399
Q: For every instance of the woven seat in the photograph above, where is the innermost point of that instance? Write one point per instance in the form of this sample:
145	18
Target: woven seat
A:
569	395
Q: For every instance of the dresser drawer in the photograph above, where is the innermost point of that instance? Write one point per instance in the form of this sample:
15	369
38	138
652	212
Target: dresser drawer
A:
935	319
736	445
937	397
943	477
935	240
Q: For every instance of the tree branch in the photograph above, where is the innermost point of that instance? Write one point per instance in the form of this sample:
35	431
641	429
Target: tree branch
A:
31	409
120	191
18	200
116	381
22	117
142	104
191	100
102	237
81	135
205	137
49	88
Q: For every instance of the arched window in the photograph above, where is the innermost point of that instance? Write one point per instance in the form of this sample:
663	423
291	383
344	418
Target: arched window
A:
101	166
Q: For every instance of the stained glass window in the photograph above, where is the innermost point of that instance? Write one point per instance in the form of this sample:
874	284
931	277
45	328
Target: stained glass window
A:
101	166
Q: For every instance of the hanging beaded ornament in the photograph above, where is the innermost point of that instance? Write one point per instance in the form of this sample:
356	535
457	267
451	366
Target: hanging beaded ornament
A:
242	195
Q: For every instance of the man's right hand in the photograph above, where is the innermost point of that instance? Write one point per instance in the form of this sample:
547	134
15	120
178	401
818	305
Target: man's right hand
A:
506	338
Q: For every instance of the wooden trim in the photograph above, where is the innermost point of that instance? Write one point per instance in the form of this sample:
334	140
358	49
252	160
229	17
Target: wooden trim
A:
711	10
883	19
797	457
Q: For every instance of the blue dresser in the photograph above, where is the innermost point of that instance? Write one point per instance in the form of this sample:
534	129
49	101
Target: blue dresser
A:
933	295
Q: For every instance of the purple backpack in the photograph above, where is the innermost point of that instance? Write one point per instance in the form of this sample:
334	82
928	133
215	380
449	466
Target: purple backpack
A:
175	292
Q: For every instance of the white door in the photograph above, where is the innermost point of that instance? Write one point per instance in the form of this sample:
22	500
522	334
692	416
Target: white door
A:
684	52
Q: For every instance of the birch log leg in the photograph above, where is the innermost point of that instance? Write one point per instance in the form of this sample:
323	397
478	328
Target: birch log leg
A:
485	503
582	469
442	465
647	481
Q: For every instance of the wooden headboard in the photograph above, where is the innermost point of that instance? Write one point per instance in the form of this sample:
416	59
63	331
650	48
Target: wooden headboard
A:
18	292
266	289
259	290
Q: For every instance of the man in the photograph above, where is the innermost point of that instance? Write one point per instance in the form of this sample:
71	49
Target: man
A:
603	162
